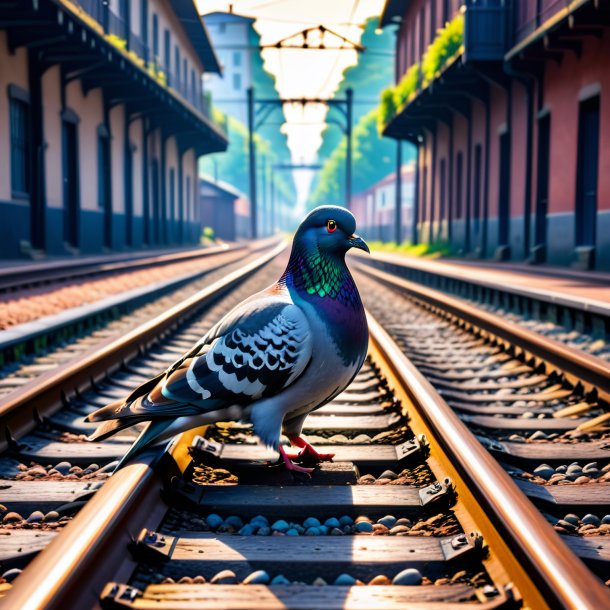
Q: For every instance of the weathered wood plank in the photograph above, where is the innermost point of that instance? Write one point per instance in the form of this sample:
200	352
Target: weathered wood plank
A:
27	496
549	424
18	547
362	556
308	597
313	500
44	451
593	550
363	456
551	453
567	496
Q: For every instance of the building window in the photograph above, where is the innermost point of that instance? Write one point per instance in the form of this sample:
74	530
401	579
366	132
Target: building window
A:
236	82
236	59
20	147
446	11
422	25
168	52
155	37
458	187
177	65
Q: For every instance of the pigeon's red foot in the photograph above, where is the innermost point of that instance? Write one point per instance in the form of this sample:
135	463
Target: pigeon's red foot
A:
291	466
309	452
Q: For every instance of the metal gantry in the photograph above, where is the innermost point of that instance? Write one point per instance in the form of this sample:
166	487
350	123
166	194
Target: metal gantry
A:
259	110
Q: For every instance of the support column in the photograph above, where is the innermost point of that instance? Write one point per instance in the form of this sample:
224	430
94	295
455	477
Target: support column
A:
398	195
252	162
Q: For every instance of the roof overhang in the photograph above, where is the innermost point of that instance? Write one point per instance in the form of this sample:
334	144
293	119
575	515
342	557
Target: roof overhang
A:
393	11
195	29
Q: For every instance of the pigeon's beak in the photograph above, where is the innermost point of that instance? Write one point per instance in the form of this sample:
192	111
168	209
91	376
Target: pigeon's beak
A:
355	241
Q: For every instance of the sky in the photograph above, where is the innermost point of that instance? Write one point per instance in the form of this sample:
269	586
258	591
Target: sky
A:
303	73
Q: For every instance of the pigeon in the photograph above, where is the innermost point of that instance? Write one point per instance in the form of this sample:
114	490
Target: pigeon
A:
279	355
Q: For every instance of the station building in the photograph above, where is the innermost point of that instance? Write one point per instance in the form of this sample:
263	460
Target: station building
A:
508	105
102	121
375	207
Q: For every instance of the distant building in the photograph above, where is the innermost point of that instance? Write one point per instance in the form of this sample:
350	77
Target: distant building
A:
232	38
374	208
102	120
217	208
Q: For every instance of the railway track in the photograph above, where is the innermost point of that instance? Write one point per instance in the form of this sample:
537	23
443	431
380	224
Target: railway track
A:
20	277
412	505
33	349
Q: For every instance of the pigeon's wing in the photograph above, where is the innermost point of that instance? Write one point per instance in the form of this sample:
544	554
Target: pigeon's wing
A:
252	355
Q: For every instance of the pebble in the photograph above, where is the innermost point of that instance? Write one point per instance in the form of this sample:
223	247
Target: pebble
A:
380	528
247	530
606	519
562	469
582	480
12	517
364	526
566	525
11	574
362	518
259	577
214	520
545	471
36	517
590	466
259	521
408	577
292	532
319	582
590	519
399	529
336	532
311	522
264	531
538	435
312	531
345	520
280	526
224	577
388	474
345	580
234	521
380	579
367	478
280	579
332	522
572	518
389	521
63	467
404	521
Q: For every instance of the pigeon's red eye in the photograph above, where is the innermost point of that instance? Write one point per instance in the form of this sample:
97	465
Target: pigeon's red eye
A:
331	226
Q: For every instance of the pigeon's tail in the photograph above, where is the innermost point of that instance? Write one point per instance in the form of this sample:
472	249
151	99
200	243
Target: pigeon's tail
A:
148	437
120	408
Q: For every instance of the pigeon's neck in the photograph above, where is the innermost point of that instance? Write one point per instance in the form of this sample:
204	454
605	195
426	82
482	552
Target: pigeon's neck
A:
318	275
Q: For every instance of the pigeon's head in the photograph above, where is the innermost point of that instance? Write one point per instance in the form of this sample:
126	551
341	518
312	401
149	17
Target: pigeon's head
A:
329	228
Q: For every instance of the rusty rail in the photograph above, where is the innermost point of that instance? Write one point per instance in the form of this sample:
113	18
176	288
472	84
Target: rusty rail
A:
543	568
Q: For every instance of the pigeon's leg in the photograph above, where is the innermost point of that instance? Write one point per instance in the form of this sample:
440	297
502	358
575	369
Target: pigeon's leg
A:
309	451
290	465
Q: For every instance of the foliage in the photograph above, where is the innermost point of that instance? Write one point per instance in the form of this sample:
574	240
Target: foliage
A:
232	166
446	45
444	49
367	79
116	41
373	159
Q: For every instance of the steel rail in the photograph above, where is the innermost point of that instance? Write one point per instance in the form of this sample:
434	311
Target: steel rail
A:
23	409
72	570
576	365
28	275
543	568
